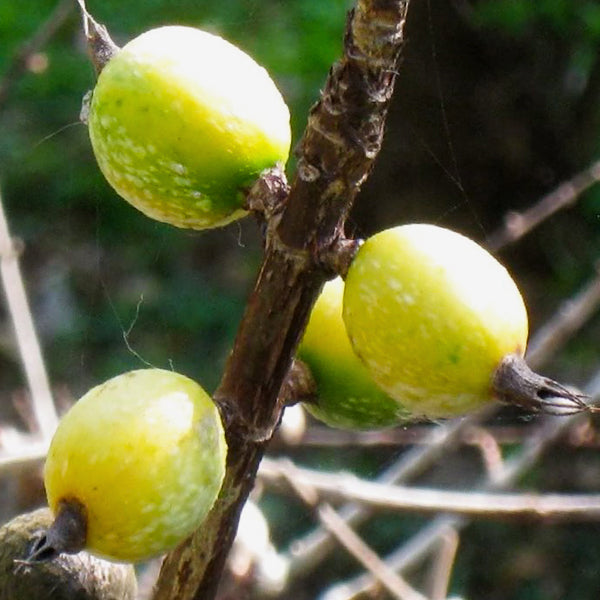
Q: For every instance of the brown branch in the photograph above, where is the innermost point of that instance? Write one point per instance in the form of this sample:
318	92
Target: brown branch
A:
337	151
354	544
572	314
336	486
18	63
427	539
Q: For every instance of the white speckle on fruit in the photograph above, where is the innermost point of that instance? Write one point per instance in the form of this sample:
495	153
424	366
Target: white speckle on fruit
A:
178	168
182	181
139	151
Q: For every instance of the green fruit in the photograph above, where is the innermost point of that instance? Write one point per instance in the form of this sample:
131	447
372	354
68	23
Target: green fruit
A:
347	396
143	456
432	315
181	122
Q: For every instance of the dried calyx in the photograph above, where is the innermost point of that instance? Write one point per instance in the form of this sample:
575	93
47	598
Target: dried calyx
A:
67	534
516	384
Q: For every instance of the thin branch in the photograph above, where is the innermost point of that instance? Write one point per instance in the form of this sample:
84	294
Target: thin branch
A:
29	347
343	533
309	550
19	61
516	224
393	583
421	544
27	450
343	486
441	571
567	320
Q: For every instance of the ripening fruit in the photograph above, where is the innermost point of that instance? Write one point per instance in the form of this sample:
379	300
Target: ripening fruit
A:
432	314
143	454
181	121
347	396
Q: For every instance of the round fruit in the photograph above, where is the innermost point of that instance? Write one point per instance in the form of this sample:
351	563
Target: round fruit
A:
142	456
347	396
432	315
78	576
181	121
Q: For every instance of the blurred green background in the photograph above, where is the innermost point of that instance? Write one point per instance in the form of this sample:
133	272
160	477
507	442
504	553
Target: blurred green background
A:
497	102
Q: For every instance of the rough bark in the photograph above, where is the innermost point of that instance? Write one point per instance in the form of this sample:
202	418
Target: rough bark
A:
342	139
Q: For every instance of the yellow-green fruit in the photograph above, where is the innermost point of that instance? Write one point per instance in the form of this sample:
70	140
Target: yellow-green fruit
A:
144	453
181	121
347	396
432	314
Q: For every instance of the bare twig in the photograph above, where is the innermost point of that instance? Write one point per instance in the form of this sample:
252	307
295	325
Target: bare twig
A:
21	453
309	550
29	347
442	567
516	224
18	64
394	583
410	553
343	533
344	486
569	318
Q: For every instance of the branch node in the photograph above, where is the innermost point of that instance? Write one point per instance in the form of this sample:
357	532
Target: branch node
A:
338	256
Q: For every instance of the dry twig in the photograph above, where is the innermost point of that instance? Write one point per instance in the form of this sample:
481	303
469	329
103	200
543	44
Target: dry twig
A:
516	224
29	347
421	544
344	486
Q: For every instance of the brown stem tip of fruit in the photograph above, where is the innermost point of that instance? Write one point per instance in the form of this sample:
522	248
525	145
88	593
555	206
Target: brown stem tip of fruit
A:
100	45
67	534
515	383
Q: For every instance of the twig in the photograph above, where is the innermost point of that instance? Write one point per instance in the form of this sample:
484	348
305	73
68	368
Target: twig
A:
394	583
307	551
336	486
569	318
442	568
27	450
342	532
29	347
18	63
410	553
516	224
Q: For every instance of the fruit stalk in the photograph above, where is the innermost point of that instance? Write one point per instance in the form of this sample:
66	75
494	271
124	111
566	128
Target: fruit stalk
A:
336	154
101	47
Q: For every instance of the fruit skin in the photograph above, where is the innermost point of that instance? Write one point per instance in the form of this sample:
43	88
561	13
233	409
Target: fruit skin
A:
181	121
145	454
78	576
348	397
432	314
